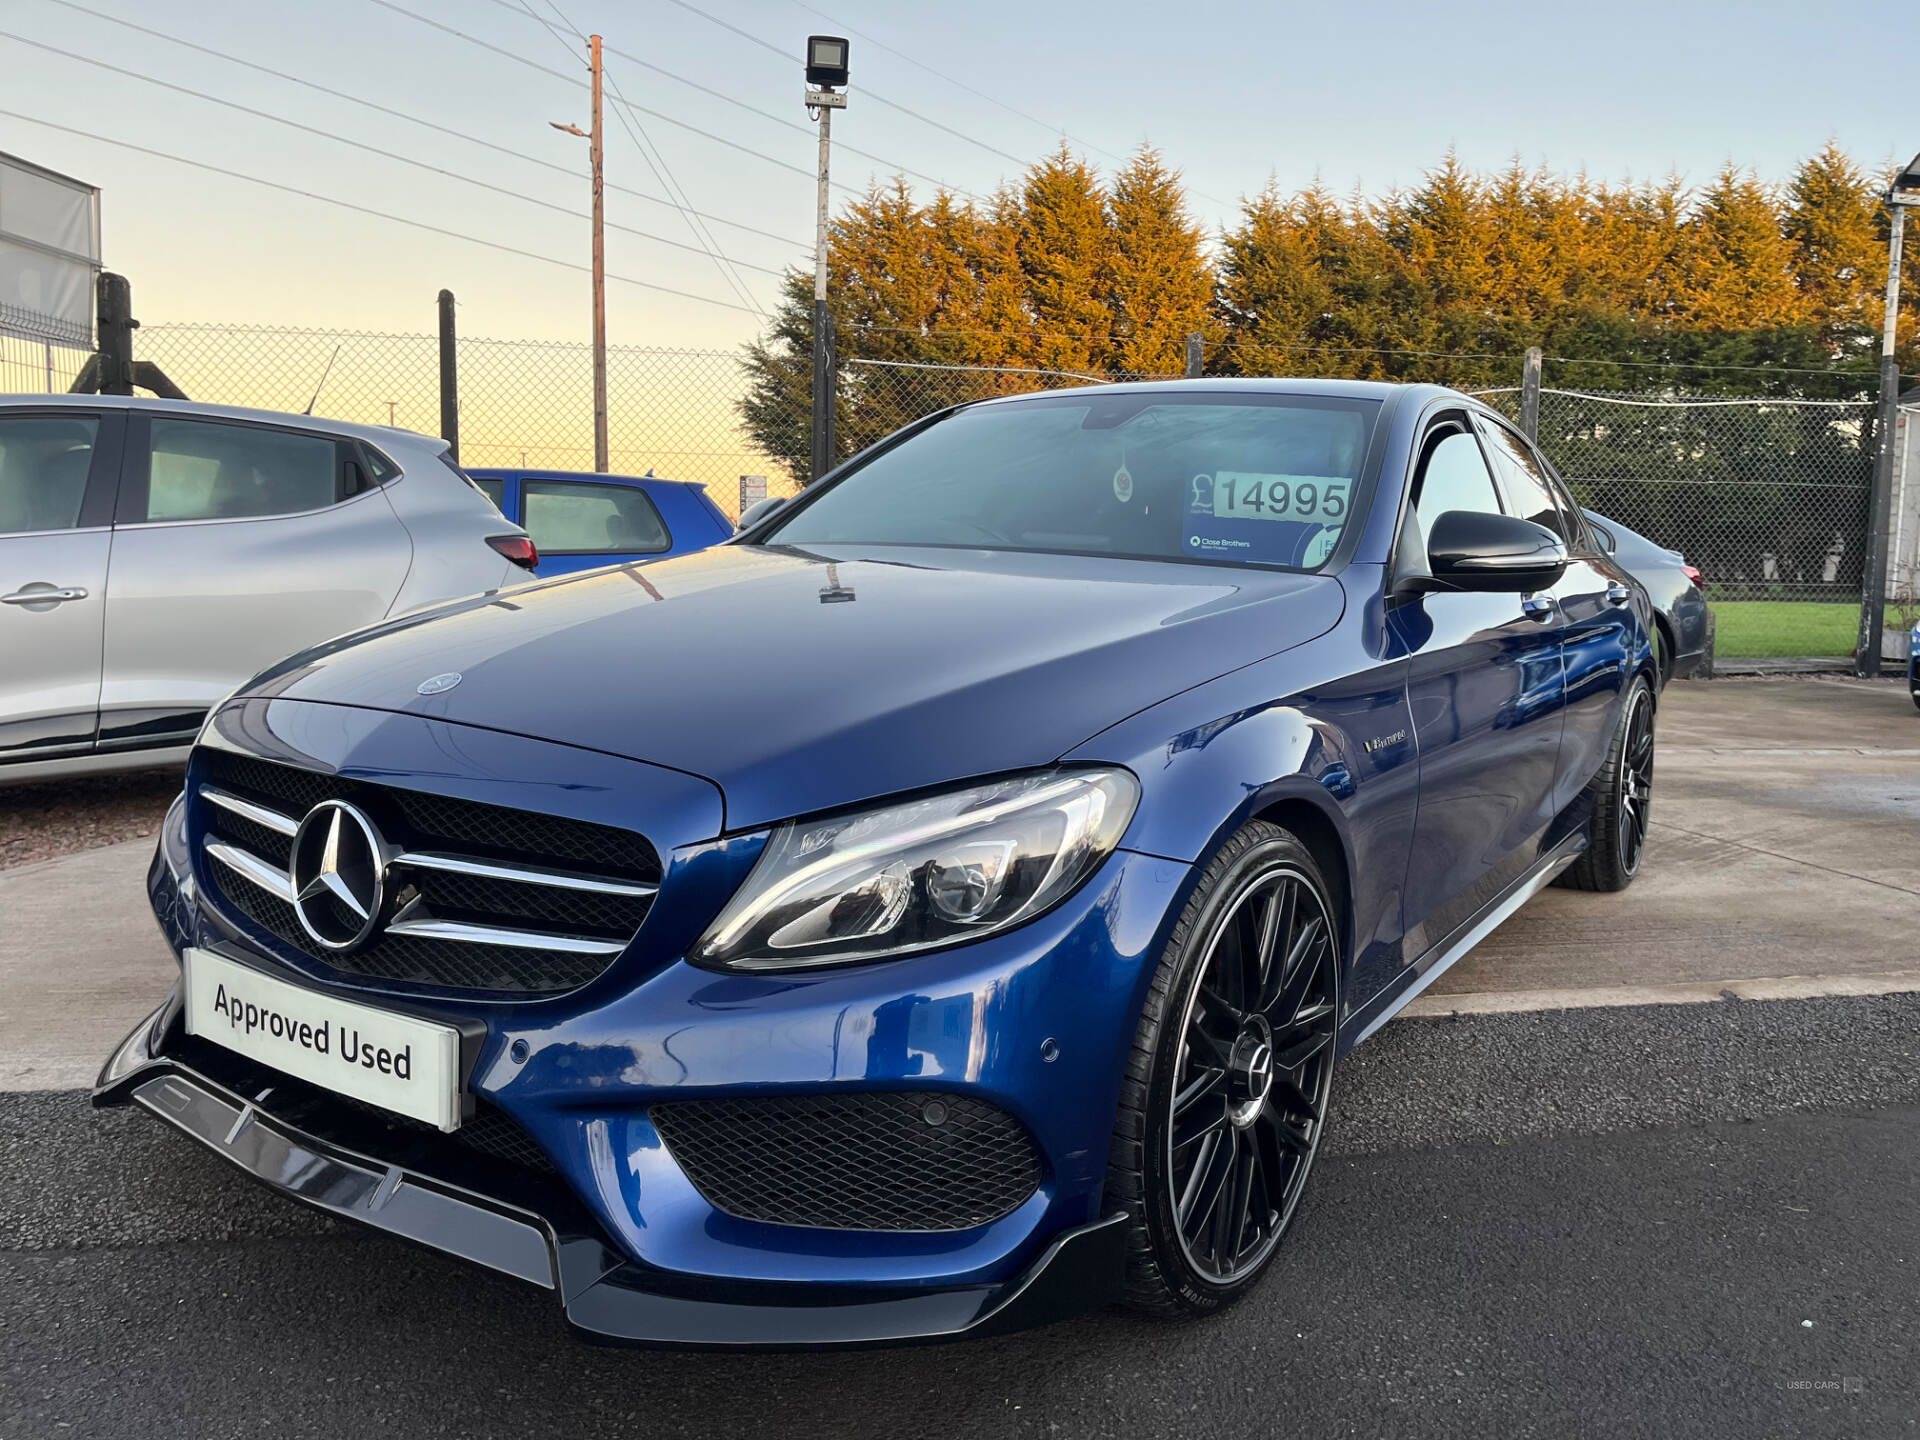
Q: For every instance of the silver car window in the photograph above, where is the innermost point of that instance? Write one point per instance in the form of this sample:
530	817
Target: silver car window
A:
203	470
43	472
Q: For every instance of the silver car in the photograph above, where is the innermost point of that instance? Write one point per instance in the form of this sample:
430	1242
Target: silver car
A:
155	553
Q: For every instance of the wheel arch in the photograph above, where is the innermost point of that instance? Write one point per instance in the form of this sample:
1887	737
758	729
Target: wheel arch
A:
1327	843
1667	645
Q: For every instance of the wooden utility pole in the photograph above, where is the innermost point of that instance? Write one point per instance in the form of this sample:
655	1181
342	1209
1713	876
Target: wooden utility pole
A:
598	154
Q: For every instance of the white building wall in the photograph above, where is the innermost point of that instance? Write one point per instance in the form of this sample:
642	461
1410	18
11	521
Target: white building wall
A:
1903	554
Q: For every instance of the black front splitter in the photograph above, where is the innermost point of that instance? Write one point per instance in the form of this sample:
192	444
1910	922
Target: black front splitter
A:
606	1297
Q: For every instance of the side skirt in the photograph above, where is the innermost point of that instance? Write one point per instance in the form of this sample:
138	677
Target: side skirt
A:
1435	963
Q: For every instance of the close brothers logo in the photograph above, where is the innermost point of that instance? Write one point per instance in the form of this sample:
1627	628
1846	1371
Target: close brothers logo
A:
248	1018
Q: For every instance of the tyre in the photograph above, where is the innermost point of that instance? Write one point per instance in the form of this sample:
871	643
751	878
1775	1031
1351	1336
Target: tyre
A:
1226	1088
1622	798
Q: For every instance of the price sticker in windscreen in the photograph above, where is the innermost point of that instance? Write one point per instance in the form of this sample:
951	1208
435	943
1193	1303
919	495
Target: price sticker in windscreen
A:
1245	495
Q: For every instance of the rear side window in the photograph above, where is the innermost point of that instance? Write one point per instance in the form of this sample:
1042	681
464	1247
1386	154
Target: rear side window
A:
494	490
379	465
1526	484
43	472
579	517
203	470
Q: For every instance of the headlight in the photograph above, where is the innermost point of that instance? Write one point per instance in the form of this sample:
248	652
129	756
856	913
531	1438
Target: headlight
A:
920	874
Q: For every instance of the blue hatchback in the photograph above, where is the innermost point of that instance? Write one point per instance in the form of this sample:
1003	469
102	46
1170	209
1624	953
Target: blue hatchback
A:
937	910
579	521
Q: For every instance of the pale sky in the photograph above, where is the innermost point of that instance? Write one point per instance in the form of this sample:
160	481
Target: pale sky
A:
1362	95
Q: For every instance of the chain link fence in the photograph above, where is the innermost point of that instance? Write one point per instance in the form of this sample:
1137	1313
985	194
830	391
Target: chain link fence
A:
1768	496
523	403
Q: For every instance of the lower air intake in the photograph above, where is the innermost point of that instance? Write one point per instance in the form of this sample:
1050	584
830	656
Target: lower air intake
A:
911	1160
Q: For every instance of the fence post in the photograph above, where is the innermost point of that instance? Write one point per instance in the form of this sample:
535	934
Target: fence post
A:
449	379
824	384
1196	352
115	325
1873	596
1530	394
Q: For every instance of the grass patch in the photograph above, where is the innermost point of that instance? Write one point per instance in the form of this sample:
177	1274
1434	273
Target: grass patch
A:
1747	629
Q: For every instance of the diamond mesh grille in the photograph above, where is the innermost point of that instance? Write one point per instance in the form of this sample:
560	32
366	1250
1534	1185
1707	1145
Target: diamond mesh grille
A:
912	1160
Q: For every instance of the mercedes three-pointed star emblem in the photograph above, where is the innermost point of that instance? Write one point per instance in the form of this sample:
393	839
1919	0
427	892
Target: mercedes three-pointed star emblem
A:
339	874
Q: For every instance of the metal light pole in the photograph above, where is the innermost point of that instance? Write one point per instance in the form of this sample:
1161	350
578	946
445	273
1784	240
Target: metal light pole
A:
596	157
1904	193
826	68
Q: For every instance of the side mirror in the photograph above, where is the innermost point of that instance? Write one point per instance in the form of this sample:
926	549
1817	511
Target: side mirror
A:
758	511
1469	550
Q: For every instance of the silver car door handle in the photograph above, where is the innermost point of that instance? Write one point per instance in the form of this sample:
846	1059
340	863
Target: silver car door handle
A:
44	597
1618	594
1538	607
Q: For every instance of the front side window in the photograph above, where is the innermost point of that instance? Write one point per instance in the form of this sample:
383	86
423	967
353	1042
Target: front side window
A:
43	472
1454	477
579	517
1526	483
1252	479
204	470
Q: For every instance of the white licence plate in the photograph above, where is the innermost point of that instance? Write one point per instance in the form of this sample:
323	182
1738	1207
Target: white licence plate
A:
408	1066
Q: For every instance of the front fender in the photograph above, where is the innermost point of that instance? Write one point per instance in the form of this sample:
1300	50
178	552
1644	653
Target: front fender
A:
1325	724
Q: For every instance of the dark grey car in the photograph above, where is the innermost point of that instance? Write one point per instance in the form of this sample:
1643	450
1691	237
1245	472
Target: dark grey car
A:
1683	619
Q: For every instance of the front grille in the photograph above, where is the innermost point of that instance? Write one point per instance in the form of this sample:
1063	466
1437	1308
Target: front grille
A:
908	1160
480	897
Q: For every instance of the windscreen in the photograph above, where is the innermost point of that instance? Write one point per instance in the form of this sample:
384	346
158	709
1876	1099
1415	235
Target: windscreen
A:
1266	479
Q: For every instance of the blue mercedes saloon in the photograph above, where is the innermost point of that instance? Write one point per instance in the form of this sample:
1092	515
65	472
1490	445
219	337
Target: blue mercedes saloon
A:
935	911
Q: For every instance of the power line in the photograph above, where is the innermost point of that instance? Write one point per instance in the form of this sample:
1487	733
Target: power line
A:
362	145
691	8
736	102
365	209
661	171
578	83
413	119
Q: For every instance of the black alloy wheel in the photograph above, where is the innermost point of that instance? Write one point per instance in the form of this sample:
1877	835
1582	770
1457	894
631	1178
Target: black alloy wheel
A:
1636	776
1621	799
1214	1148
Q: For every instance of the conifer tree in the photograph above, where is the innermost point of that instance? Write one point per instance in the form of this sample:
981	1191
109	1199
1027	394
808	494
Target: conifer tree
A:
1839	258
1740	268
1065	248
1160	284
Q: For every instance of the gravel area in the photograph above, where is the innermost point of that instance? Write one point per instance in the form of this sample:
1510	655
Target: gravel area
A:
60	817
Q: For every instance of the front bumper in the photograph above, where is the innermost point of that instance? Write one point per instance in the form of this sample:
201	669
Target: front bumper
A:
1036	1023
548	1242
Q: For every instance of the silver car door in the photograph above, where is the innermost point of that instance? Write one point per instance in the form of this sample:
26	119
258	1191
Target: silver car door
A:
58	470
236	544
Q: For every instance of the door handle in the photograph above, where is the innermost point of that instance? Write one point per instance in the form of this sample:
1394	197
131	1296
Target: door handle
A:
1538	607
44	597
1618	594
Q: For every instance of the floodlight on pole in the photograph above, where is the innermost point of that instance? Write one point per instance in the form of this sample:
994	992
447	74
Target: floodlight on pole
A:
1902	195
826	68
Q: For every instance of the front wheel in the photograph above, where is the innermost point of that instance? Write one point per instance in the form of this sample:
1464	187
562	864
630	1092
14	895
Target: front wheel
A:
1622	795
1226	1090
